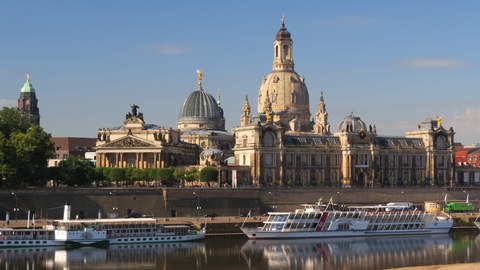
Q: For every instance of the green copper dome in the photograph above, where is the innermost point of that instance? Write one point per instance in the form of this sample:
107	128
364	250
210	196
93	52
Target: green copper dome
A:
28	87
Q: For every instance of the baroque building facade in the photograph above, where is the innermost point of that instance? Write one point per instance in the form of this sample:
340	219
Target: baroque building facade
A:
28	102
282	146
139	145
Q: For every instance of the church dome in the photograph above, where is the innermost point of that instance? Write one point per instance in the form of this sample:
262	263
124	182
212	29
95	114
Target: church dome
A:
352	121
200	111
287	92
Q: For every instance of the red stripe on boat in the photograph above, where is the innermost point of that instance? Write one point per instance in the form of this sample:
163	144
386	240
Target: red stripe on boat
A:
321	222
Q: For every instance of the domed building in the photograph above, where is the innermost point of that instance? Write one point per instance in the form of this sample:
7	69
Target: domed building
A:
281	146
201	121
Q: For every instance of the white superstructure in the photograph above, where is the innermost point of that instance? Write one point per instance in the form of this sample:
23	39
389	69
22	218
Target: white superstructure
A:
315	221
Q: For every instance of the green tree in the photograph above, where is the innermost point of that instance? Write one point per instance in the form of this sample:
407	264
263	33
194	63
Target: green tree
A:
24	150
76	170
179	175
116	175
191	174
208	174
165	175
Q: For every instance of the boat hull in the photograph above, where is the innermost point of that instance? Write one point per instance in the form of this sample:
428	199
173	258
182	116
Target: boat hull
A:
155	239
255	233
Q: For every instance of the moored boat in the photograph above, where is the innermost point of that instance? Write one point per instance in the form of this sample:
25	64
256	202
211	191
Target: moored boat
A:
31	237
120	230
322	221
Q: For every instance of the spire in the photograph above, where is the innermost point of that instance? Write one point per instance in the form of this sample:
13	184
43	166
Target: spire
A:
246	113
283	22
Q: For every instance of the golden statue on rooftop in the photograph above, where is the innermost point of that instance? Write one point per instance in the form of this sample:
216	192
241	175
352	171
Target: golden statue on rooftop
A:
199	78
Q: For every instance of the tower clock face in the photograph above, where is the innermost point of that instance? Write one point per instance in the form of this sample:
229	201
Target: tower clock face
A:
27	102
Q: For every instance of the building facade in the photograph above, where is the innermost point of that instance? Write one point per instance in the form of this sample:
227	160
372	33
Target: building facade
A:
281	146
71	146
467	161
28	102
139	145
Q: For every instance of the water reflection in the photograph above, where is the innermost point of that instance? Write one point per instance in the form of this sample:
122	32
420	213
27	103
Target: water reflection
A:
132	256
238	253
353	253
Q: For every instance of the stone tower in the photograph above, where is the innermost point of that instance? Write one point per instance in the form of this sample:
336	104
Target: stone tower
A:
284	88
321	118
28	102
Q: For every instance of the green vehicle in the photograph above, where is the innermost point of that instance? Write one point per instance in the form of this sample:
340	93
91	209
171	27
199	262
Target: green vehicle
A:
458	207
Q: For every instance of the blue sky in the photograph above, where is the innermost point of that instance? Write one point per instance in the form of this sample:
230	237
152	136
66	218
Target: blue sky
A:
393	63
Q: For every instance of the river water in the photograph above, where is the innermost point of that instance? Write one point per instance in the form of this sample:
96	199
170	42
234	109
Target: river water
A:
239	253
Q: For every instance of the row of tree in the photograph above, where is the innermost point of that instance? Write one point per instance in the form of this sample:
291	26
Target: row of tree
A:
25	149
78	171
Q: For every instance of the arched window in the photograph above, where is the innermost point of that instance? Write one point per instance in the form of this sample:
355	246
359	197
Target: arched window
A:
276	51
244	160
294	97
286	52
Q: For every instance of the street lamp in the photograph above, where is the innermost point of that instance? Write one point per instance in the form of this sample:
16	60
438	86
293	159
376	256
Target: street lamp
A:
114	208
198	204
16	206
274	201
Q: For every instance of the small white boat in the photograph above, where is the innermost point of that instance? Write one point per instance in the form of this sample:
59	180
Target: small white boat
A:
319	221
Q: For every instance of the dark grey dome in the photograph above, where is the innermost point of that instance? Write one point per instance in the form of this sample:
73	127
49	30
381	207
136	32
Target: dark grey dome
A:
200	106
352	121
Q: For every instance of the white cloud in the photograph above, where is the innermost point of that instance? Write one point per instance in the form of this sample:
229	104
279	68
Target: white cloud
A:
432	63
170	49
467	124
7	103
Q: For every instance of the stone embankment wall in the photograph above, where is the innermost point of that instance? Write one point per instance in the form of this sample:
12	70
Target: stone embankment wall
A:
222	201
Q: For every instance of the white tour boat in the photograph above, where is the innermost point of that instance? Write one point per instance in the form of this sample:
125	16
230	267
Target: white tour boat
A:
120	231
68	232
321	221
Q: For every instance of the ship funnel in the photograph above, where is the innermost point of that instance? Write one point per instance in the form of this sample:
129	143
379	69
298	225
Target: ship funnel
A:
66	211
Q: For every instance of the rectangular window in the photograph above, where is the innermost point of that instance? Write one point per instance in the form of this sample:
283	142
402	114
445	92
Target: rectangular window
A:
405	160
269	159
392	160
362	159
334	160
304	159
245	142
318	159
419	161
290	159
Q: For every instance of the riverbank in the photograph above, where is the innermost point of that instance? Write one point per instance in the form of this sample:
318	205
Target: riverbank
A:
460	266
47	203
